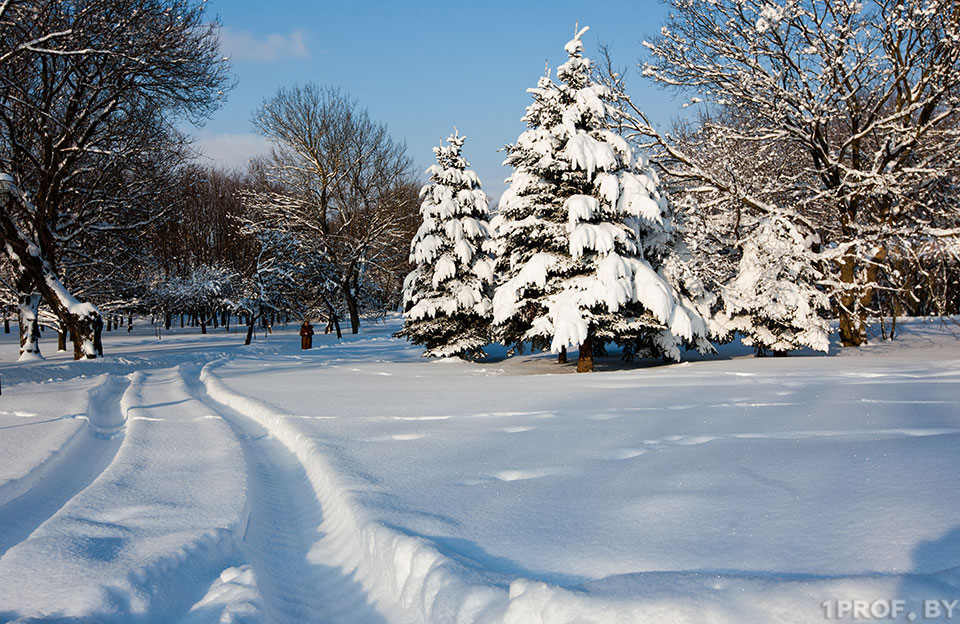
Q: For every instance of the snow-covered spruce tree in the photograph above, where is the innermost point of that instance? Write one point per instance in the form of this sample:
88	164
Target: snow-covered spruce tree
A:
772	301
586	249
447	296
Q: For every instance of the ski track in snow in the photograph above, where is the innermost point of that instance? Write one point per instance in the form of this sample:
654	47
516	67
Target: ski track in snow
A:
282	534
141	517
26	503
300	550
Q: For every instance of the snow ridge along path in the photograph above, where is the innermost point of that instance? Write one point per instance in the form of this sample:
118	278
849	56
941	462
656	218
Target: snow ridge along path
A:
27	502
284	538
405	576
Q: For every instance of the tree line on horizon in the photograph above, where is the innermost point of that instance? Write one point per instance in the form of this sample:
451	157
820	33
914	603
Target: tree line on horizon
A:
819	180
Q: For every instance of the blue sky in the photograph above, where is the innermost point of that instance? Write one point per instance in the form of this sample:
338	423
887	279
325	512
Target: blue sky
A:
421	67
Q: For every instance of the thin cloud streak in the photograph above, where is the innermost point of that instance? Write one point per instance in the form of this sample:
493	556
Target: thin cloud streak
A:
243	45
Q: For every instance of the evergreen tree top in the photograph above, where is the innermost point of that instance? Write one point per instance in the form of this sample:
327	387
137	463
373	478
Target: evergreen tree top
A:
569	122
448	156
576	71
450	170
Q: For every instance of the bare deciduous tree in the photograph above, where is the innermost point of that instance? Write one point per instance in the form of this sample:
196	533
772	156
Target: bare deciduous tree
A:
104	90
863	98
342	184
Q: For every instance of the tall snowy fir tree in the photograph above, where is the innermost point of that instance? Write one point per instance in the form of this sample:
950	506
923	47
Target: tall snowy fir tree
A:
586	250
772	301
447	296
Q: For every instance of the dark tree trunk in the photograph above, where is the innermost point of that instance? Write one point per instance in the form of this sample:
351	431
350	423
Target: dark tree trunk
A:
109	322
333	319
353	309
62	338
251	323
585	361
98	337
6	325
562	357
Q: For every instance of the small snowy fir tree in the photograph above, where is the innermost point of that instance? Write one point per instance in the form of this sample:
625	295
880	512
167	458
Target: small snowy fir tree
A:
586	250
772	301
447	296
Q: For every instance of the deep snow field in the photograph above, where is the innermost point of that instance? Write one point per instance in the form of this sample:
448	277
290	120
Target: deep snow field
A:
195	480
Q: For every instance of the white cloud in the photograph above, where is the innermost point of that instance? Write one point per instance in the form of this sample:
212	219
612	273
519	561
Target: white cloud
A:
230	151
243	45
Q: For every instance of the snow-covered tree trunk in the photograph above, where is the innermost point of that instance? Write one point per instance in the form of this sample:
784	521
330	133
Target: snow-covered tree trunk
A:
855	295
28	306
251	324
25	256
853	317
333	319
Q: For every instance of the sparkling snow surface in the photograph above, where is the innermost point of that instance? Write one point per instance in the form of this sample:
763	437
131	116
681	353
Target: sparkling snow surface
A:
196	480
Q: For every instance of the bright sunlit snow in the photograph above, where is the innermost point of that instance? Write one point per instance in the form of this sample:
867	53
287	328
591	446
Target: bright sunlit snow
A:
191	479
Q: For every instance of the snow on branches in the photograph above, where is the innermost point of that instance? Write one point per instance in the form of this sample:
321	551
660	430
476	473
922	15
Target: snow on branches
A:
585	242
447	296
34	268
851	111
773	301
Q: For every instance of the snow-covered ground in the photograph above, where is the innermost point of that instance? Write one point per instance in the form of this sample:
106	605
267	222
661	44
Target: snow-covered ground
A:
195	480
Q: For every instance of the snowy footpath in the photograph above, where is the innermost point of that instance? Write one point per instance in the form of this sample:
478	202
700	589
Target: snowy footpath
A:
195	480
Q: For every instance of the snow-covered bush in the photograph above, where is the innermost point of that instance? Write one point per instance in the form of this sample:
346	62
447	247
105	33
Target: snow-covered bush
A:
447	296
586	248
773	301
204	290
